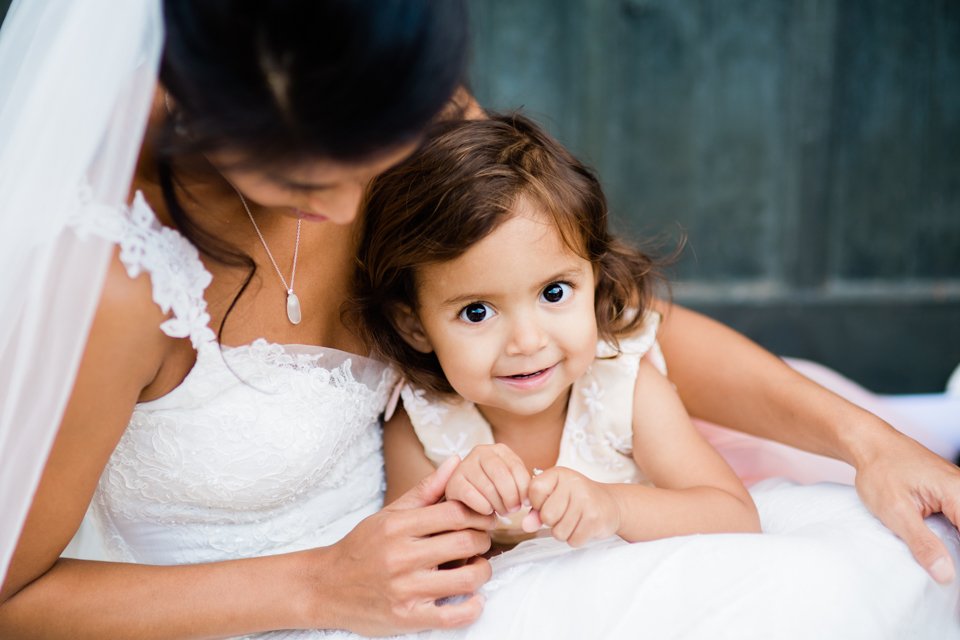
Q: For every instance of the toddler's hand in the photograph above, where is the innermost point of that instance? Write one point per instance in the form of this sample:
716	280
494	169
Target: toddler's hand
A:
577	508
490	478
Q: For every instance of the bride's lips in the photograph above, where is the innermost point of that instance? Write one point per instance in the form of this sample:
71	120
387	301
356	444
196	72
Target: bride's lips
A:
309	217
529	380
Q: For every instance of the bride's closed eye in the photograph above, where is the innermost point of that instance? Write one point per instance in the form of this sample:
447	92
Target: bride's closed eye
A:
556	292
476	312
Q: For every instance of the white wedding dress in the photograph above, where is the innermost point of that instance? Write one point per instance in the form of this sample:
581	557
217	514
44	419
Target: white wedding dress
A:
265	449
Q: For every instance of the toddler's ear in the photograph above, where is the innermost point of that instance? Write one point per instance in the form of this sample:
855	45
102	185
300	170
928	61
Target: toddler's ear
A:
408	325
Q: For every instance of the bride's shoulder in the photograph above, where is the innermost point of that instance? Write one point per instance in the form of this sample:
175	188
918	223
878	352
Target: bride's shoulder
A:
125	347
155	277
129	298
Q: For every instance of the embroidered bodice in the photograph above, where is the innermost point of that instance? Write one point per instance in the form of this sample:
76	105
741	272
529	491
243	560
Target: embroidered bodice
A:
261	449
597	437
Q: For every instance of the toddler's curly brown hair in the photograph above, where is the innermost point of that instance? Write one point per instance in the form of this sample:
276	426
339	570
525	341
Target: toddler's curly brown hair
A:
462	183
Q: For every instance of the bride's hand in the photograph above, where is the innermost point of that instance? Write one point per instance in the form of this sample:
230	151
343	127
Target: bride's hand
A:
902	482
383	577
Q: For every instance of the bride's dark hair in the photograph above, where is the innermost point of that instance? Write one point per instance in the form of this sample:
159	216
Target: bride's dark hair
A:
282	82
334	79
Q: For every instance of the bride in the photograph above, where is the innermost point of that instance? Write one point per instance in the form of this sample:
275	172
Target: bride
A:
208	404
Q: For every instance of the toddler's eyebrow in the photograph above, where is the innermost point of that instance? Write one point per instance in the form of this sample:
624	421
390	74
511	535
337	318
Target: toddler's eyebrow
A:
569	274
464	299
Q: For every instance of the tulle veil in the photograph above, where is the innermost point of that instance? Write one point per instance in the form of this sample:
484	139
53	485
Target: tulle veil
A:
76	84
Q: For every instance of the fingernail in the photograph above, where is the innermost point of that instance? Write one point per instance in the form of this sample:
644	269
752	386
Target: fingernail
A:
529	523
942	570
526	503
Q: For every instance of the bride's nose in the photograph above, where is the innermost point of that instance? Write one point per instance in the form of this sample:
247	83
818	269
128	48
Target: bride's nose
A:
342	207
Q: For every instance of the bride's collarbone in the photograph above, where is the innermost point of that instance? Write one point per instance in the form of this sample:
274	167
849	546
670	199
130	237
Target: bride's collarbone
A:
261	312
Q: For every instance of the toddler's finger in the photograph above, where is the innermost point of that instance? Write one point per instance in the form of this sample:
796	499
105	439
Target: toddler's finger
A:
461	489
504	486
541	486
478	478
568	522
531	522
555	506
521	478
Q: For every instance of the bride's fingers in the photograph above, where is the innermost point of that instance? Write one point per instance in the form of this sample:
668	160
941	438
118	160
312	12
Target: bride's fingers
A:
906	483
386	569
444	548
463	580
429	490
445	516
926	547
449	615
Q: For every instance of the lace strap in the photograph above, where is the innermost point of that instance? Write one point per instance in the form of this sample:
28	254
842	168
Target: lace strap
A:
178	277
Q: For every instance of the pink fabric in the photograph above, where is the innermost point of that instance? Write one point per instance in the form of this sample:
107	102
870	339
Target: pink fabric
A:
755	459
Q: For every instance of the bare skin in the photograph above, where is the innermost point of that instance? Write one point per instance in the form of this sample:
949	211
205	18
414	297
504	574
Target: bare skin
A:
381	578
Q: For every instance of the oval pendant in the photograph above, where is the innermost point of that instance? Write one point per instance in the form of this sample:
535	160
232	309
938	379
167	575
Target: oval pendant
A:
293	308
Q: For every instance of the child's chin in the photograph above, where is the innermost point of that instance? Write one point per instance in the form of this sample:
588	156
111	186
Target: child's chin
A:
531	407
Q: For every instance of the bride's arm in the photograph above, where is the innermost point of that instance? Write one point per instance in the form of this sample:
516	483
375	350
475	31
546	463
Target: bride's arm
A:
725	378
372	582
380	578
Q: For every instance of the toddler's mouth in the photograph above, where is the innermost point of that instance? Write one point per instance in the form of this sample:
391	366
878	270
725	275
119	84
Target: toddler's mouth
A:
524	376
529	381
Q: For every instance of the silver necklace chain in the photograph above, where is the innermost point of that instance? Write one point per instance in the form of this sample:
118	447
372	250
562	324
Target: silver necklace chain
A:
294	312
296	247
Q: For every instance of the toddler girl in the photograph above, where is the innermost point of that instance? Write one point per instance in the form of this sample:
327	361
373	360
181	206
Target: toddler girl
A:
524	331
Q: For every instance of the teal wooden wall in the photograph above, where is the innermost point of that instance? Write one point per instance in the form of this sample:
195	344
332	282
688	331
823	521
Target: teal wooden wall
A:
808	149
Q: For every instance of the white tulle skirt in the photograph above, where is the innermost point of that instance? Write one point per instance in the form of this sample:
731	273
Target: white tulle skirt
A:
823	568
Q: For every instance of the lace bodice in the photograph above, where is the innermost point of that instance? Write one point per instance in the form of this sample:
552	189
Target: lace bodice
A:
261	449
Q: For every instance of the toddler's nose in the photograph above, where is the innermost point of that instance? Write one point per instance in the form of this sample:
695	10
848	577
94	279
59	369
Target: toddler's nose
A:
527	337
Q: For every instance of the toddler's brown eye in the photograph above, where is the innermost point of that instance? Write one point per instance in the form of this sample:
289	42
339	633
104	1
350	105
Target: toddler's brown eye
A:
555	292
475	312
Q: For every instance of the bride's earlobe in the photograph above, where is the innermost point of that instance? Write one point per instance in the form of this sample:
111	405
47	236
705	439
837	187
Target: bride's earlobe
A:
407	324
